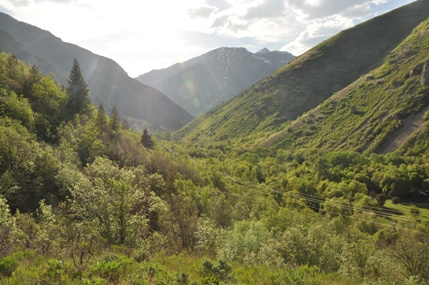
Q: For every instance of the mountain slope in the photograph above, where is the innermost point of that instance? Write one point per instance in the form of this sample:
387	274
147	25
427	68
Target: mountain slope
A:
205	81
8	44
108	82
376	113
308	80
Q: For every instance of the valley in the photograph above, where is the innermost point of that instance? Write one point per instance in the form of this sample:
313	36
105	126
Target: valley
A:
316	172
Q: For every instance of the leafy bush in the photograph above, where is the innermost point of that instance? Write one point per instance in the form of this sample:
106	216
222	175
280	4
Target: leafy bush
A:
141	255
112	267
9	263
220	271
414	210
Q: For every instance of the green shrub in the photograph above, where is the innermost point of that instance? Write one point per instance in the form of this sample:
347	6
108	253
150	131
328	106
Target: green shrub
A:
414	210
112	267
9	263
214	273
141	255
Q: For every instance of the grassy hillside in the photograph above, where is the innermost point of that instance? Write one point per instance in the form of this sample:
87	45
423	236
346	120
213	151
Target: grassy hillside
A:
376	113
308	80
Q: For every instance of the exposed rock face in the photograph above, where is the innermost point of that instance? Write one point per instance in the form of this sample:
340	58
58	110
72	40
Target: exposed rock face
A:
424	80
417	70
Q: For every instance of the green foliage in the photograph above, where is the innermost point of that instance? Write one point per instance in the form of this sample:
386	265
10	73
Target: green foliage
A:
414	210
115	121
7	228
101	121
17	108
214	273
117	202
412	253
146	140
77	90
112	267
9	264
83	197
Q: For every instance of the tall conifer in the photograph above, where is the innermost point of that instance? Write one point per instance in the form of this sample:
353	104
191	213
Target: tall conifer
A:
101	121
115	120
77	90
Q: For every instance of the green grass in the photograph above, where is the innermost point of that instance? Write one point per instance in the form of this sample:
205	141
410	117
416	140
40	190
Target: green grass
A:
192	265
363	115
404	208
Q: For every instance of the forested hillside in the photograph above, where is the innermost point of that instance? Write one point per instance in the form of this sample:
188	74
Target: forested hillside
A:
85	200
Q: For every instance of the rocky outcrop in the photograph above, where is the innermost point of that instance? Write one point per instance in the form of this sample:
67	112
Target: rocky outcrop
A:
417	70
424	80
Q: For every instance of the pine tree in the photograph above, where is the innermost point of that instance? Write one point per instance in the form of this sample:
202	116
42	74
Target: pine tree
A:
125	125
77	90
101	121
115	120
146	140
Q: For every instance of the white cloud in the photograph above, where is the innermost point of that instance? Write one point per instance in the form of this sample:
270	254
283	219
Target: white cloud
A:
201	12
144	35
316	32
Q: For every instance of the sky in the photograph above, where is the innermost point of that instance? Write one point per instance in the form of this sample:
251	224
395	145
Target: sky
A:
142	35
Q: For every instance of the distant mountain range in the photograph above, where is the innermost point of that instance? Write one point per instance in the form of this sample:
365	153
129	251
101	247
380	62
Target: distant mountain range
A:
108	82
206	81
365	89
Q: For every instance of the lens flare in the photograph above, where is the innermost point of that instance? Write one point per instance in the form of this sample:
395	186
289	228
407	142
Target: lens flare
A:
196	102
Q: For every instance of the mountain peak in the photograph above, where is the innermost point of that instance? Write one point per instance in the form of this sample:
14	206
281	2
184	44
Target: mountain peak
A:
264	50
206	81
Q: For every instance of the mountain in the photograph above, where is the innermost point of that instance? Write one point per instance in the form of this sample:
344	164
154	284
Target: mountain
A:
379	112
108	82
270	107
204	82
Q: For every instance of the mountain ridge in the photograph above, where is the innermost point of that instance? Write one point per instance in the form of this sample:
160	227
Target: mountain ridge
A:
205	81
108	82
376	113
276	101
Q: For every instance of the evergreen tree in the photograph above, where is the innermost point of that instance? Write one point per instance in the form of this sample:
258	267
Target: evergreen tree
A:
125	125
146	140
115	120
77	90
101	121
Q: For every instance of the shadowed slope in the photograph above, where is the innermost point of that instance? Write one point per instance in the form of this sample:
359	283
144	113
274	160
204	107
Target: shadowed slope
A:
209	79
108	82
